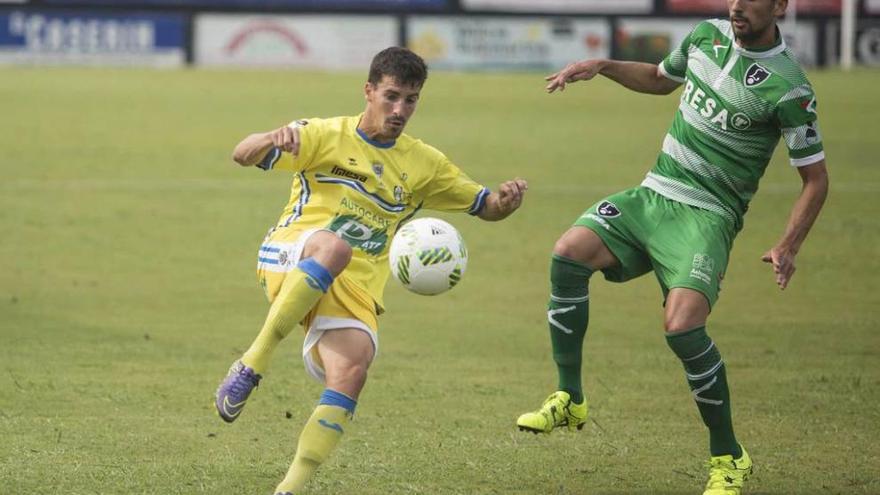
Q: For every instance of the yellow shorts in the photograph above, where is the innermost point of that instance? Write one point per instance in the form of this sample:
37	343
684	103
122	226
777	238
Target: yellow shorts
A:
345	305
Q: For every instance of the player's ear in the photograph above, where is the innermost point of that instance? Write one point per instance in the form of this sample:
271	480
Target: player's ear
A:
780	7
368	90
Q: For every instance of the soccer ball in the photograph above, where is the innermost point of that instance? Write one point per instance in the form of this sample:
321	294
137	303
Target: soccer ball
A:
428	256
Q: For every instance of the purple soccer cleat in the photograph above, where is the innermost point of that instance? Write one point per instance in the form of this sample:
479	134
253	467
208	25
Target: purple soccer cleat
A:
233	393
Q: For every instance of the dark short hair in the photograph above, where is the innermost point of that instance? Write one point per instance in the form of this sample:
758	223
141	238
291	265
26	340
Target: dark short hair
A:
401	64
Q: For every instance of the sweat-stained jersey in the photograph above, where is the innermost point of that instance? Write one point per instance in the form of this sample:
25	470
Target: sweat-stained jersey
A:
363	190
735	105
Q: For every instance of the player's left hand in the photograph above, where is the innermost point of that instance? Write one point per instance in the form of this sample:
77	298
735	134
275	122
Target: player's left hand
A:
782	260
510	194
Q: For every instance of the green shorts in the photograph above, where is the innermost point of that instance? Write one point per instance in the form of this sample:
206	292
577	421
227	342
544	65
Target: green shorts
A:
685	246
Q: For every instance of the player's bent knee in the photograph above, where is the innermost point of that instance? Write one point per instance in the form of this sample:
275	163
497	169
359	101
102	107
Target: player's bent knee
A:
677	323
349	380
565	248
329	250
584	246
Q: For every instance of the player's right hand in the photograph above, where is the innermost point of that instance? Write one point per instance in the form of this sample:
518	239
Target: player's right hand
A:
575	71
783	264
286	138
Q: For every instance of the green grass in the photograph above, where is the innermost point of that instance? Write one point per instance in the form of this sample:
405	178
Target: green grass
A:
127	288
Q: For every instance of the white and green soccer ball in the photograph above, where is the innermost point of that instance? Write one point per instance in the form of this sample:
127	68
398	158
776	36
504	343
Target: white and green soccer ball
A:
428	256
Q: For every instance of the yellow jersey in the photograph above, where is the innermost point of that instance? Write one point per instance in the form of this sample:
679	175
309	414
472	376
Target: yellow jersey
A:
364	190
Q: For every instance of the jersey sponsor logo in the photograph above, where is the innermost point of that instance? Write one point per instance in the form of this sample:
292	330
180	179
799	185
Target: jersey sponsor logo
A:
358	235
708	107
755	75
608	209
377	220
348	173
740	121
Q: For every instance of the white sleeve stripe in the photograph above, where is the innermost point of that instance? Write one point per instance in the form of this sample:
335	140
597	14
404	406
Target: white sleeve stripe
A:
668	75
808	160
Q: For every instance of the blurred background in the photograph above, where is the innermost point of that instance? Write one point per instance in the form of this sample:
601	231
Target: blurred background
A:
449	34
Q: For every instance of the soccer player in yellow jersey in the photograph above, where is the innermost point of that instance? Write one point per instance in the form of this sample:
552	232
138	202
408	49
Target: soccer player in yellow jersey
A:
325	264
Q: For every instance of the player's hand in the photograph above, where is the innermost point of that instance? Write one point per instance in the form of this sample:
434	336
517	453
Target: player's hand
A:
782	260
286	138
576	71
510	194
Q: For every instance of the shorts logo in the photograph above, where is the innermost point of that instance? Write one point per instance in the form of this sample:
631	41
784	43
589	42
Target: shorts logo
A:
755	75
608	210
702	268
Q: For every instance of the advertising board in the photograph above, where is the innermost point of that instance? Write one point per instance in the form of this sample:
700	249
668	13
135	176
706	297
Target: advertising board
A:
92	38
292	41
475	43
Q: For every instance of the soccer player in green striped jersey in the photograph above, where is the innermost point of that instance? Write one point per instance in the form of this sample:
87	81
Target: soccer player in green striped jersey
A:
743	90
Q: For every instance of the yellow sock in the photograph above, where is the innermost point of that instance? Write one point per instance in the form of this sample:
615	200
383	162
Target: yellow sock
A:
299	292
319	437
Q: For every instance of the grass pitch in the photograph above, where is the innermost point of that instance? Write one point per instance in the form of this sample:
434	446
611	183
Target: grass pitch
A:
127	287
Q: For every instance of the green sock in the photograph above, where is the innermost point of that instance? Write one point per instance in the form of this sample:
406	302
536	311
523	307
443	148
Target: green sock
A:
568	313
708	381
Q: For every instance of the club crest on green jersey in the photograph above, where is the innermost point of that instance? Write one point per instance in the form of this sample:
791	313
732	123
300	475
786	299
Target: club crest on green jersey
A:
607	209
755	75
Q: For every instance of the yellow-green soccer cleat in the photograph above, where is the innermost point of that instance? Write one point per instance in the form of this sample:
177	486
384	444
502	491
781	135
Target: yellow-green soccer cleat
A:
557	410
726	474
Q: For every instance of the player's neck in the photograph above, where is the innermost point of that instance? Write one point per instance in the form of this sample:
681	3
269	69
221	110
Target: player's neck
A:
372	130
768	39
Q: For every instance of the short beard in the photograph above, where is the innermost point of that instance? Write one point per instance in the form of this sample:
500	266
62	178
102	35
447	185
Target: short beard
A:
751	34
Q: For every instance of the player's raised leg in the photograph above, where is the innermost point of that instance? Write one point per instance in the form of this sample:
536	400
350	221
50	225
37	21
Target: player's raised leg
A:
324	256
575	256
346	354
685	322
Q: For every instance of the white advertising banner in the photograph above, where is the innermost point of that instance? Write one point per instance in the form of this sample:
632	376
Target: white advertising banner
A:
478	43
306	41
562	6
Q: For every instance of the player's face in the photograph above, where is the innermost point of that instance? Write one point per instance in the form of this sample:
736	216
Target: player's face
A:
754	21
390	105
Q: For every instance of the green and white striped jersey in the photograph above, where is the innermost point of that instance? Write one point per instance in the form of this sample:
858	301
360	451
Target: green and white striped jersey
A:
735	105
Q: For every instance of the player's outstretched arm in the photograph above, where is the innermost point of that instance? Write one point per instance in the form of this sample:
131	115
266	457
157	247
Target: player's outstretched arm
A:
252	149
499	205
803	214
637	76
